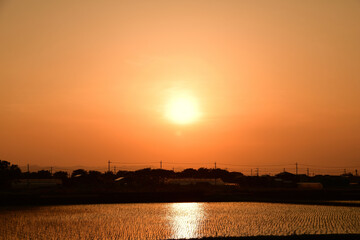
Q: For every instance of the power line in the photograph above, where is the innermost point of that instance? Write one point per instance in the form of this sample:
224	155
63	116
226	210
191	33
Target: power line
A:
266	168
127	163
264	165
187	163
318	166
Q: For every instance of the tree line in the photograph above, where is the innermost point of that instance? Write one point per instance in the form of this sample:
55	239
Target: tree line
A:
154	177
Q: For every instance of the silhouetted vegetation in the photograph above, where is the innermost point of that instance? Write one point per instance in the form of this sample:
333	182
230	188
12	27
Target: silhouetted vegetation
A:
213	184
61	175
8	172
155	177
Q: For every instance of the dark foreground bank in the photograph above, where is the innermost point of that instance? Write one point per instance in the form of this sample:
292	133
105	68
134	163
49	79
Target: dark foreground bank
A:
334	198
293	237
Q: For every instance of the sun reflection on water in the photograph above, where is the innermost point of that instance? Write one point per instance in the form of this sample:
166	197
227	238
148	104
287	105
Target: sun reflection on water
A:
185	219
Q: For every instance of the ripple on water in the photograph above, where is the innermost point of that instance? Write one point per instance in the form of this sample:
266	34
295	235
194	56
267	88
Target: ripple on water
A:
175	220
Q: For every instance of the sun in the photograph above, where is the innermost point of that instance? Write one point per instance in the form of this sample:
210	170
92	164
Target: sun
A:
182	109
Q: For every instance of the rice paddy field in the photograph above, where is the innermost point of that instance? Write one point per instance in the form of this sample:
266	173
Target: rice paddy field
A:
175	220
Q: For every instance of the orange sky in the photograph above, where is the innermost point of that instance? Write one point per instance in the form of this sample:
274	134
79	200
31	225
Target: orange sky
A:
84	82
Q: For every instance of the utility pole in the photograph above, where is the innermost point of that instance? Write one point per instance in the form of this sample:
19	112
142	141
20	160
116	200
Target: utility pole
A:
257	172
251	172
109	166
296	168
215	174
284	169
356	172
160	164
28	176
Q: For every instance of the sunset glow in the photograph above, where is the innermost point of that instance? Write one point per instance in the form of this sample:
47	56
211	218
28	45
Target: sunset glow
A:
245	83
180	119
182	110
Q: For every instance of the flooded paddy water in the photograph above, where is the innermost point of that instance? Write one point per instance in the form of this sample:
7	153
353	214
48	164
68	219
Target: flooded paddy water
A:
174	220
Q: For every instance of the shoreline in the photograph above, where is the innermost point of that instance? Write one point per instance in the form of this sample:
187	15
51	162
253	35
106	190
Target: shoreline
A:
288	237
77	198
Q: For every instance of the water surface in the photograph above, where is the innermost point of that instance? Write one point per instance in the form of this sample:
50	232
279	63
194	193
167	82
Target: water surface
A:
175	220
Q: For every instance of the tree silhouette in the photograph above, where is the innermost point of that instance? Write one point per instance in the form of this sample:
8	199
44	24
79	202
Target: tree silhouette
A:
43	174
61	175
8	172
78	173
